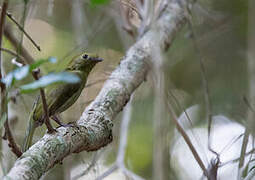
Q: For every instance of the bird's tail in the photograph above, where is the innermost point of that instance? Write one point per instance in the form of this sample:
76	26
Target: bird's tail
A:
29	134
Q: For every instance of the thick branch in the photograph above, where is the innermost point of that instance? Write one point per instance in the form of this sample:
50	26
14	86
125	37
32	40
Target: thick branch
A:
93	129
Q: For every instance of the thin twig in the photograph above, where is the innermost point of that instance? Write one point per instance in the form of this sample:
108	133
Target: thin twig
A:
9	15
237	159
190	121
46	112
21	59
187	140
11	142
15	42
91	165
124	132
2	23
243	149
212	170
35	74
250	70
245	140
234	140
108	172
215	163
213	167
205	85
130	174
23	18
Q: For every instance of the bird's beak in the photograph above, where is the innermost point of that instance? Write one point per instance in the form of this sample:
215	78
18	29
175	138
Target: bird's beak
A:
97	59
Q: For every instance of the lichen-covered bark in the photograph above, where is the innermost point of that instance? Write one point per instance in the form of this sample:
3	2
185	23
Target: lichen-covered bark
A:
93	129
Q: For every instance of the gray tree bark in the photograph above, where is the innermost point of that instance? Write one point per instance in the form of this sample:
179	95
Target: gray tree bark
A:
94	128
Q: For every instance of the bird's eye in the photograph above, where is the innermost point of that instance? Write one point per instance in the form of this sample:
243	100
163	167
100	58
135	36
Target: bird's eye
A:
85	56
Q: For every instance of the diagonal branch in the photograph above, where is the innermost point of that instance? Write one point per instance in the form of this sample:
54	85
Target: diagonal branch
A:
94	129
15	42
9	15
4	92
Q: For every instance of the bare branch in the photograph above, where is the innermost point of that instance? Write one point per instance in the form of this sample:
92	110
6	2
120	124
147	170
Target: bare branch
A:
35	74
4	109
187	140
251	86
94	129
90	166
205	85
9	15
21	59
15	42
108	172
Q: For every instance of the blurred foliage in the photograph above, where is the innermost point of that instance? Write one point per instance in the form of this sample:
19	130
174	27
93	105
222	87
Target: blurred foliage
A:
22	72
221	28
97	2
140	145
50	79
223	48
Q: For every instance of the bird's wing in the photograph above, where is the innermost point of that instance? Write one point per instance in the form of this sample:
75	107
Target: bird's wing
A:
62	97
59	98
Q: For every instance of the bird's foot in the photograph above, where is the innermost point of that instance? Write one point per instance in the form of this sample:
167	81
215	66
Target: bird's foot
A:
68	125
56	119
51	130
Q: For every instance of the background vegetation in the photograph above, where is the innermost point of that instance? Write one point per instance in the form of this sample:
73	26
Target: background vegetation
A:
65	28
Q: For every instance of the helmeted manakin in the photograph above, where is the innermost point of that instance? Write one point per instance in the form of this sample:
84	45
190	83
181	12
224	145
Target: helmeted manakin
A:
60	97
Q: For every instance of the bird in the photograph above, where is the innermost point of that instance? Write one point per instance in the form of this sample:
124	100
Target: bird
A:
60	97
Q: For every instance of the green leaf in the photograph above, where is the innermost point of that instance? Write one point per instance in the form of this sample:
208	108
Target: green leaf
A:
23	71
42	61
16	74
52	78
25	1
98	2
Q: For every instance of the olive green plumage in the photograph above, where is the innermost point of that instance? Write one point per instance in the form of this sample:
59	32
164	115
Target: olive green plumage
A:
60	97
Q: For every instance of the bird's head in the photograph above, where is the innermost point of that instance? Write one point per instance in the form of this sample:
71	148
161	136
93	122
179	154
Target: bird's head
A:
84	62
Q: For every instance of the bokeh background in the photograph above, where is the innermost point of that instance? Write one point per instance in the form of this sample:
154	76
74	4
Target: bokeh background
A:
65	28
